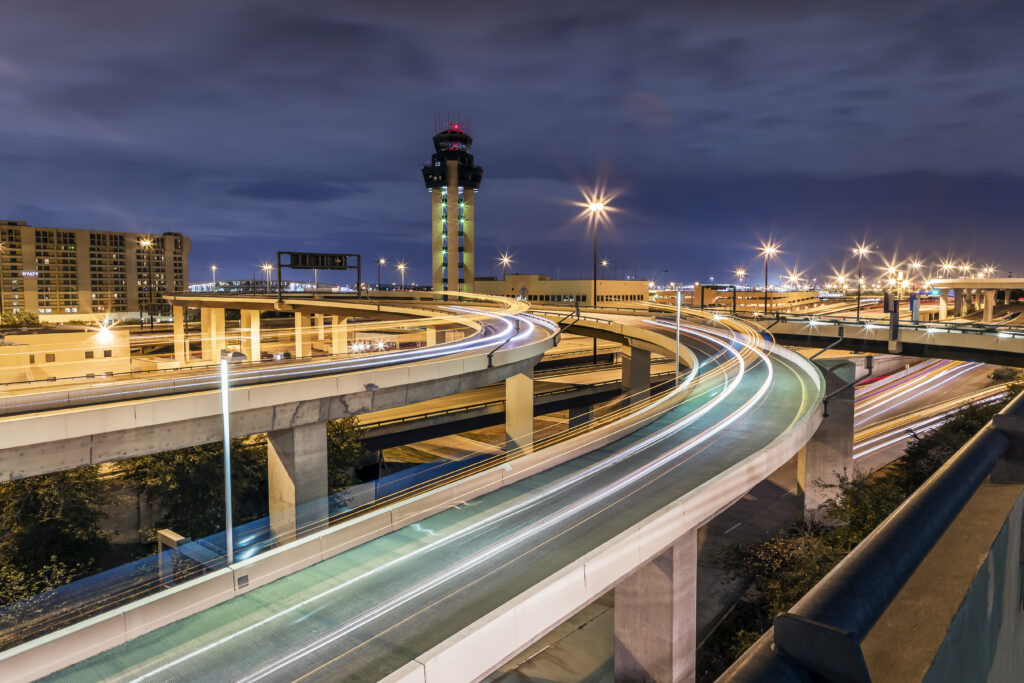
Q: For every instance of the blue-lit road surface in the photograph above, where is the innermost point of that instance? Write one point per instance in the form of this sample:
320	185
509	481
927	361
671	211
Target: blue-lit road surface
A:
412	601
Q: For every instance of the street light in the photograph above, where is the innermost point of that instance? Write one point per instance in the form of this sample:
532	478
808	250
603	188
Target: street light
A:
740	273
267	270
401	269
604	264
860	251
213	270
506	262
225	358
147	245
768	251
2	276
380	262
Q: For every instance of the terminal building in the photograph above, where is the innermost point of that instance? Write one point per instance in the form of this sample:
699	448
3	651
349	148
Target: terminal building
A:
541	288
453	180
62	274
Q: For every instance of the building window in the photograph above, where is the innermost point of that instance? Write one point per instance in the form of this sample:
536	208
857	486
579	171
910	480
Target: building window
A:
32	358
88	354
50	357
107	353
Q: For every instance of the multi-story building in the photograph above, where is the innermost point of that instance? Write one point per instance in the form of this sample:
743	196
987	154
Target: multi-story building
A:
64	274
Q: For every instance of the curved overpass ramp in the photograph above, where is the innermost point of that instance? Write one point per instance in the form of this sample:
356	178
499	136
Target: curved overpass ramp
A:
73	427
507	554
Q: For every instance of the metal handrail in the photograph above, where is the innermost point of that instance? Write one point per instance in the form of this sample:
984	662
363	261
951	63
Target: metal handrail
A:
821	635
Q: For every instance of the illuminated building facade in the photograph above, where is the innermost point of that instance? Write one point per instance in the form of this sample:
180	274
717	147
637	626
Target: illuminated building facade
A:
62	274
453	181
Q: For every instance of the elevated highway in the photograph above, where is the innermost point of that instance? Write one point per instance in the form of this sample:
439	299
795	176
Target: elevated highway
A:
51	430
475	570
997	344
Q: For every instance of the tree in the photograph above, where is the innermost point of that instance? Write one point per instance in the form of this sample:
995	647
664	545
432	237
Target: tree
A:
188	484
51	528
344	449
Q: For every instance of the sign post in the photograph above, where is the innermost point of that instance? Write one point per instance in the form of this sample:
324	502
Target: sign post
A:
304	260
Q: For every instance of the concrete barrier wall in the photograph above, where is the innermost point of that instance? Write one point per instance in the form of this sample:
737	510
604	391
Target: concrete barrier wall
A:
959	617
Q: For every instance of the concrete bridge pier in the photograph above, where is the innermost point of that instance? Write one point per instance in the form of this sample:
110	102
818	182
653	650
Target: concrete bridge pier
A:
989	296
656	617
318	323
958	302
250	334
519	412
180	350
636	373
431	336
297	478
211	323
339	335
829	453
303	321
943	306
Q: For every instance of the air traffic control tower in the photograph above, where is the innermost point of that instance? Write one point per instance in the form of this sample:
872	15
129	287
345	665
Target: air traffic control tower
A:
452	180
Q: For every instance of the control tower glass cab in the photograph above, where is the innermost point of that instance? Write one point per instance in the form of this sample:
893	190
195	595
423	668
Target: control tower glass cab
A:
452	180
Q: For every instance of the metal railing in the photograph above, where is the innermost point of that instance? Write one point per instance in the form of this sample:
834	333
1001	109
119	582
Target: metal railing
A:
821	635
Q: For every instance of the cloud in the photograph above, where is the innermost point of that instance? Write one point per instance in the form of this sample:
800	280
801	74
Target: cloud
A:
229	120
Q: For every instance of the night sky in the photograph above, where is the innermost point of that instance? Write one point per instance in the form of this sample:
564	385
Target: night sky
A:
256	126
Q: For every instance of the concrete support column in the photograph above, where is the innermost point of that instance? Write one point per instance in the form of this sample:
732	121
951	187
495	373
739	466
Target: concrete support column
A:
943	305
180	350
1006	297
318	323
431	336
519	411
830	450
211	322
580	415
636	373
436	240
297	478
989	296
656	617
339	335
303	321
468	240
958	302
250	334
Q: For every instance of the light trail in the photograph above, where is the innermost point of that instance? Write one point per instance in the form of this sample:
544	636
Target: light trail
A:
210	379
526	504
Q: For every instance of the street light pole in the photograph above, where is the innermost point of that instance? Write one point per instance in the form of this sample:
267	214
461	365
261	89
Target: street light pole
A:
380	262
229	540
768	250
2	276
766	283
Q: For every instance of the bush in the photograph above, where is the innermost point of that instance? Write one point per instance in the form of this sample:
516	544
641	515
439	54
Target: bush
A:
20	319
1005	374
